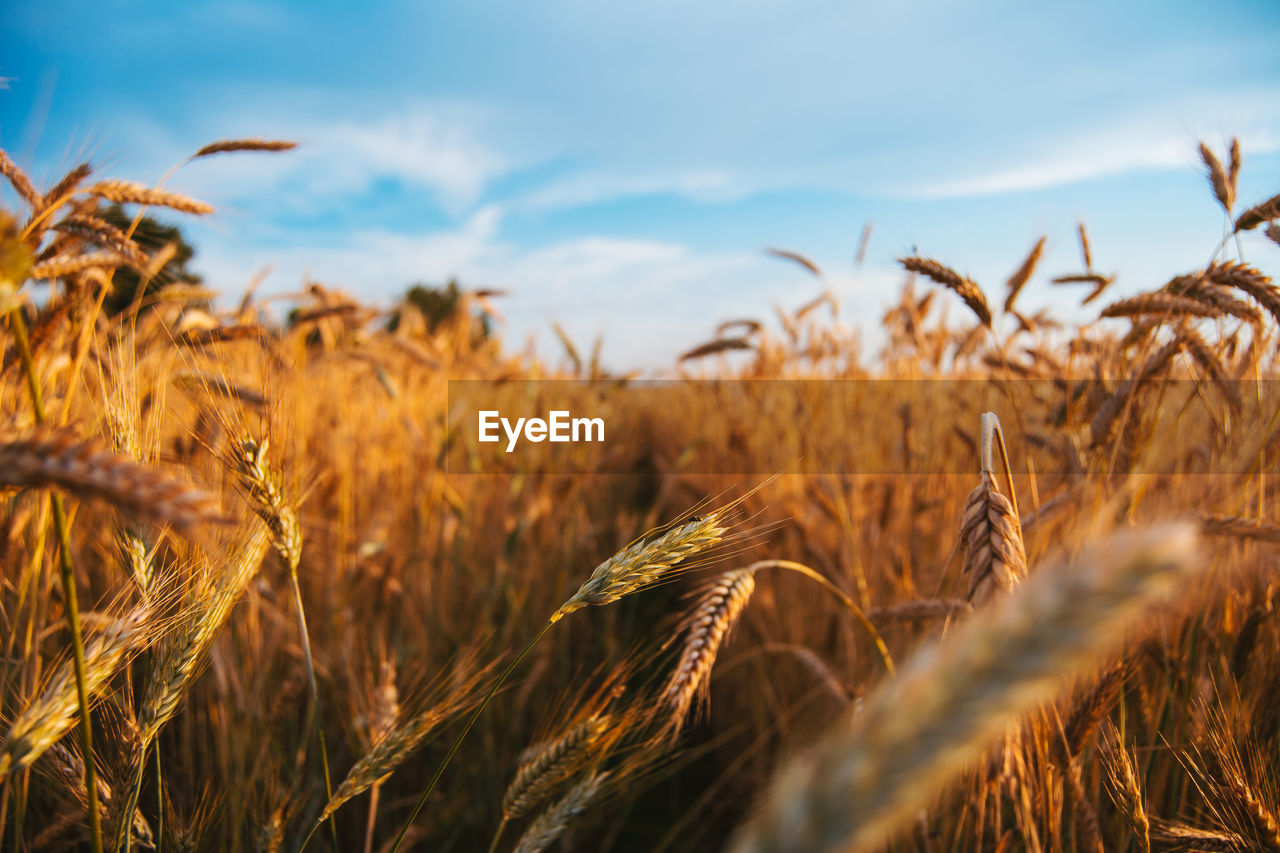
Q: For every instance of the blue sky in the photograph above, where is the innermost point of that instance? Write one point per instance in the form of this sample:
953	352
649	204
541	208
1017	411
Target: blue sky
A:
620	168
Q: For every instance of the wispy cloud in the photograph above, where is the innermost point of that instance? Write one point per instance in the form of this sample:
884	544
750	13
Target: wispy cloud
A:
442	158
588	188
1156	138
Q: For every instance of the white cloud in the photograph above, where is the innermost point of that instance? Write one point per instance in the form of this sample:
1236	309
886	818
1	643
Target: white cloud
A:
442	158
1157	139
589	188
649	299
440	149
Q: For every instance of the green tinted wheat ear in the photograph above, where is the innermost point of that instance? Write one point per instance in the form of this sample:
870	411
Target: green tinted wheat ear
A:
644	563
922	728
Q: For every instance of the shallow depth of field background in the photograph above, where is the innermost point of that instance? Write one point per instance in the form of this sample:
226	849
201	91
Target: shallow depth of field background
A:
1078	221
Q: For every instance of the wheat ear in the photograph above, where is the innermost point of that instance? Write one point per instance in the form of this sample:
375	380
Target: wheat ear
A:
42	723
1222	186
1122	778
400	741
128	192
992	539
1258	214
83	468
226	146
644	563
545	765
966	288
637	566
919	730
719	605
180	659
555	821
1022	275
20	182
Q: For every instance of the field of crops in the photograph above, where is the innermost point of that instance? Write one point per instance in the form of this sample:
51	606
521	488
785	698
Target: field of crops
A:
1005	585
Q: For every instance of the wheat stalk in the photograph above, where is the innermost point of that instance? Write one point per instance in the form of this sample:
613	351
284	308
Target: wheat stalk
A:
400	741
1222	186
1022	275
49	458
1123	786
965	288
922	728
19	180
1258	214
226	146
992	540
128	192
643	563
42	723
545	765
181	656
718	607
556	820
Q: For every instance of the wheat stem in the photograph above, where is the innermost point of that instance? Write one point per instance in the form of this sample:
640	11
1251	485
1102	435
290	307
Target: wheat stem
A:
18	327
457	743
858	612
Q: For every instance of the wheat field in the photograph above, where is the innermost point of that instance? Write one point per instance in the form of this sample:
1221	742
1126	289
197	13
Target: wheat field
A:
253	598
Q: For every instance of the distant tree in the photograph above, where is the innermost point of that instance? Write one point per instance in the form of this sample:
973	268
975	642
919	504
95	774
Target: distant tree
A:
438	304
151	236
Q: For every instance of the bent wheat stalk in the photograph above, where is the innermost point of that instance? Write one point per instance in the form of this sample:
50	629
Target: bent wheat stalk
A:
919	730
